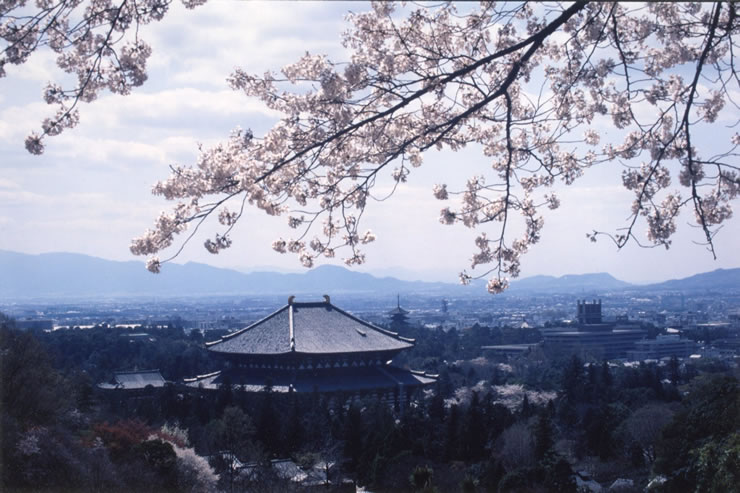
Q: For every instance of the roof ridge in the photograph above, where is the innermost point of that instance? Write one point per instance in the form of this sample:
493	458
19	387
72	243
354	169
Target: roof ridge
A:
201	377
124	372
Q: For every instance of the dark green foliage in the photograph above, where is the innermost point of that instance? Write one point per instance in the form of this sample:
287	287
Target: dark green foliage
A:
451	444
421	478
353	435
233	432
474	434
71	440
101	351
161	459
674	370
718	465
558	475
572	381
637	454
517	480
498	418
492	474
294	435
691	451
380	439
268	424
543	435
526	409
467	485
32	391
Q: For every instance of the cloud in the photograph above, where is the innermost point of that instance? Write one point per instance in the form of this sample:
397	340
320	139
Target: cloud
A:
19	120
179	107
202	47
6	184
40	68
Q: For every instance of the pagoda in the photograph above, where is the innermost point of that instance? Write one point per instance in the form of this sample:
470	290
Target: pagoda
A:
398	316
312	347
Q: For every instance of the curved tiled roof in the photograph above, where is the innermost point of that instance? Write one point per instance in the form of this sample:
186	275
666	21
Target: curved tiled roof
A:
130	380
310	328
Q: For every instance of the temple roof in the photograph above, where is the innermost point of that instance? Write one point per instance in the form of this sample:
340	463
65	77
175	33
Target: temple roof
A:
310	328
135	380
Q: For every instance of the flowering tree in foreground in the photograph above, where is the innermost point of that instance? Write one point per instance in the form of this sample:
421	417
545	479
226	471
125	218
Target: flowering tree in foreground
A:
529	85
96	41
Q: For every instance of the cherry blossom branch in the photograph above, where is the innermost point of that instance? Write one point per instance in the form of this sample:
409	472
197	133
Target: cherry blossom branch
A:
83	36
438	80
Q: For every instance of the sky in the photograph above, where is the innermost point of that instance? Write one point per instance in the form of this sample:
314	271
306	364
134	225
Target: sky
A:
90	192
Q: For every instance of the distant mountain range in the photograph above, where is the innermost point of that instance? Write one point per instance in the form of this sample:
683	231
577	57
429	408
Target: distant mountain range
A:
64	275
570	283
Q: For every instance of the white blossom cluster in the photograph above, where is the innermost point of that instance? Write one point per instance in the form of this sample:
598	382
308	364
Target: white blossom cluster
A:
91	42
430	77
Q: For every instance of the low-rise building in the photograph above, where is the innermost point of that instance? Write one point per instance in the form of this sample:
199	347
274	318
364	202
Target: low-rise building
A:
662	346
135	380
591	337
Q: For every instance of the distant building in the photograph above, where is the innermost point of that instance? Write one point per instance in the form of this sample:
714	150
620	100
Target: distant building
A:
315	346
314	478
135	391
591	336
135	380
398	316
662	346
727	348
511	350
589	313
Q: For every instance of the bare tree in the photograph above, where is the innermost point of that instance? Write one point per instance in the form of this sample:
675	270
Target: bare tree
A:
516	446
645	426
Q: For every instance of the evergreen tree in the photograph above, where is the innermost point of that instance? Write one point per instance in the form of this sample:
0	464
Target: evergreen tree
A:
353	436
543	435
268	424
572	379
525	411
451	433
473	432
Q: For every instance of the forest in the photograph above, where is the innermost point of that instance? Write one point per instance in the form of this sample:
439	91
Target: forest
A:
536	423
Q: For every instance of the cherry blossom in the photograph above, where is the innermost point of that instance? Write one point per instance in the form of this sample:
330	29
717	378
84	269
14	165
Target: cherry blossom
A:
532	86
91	41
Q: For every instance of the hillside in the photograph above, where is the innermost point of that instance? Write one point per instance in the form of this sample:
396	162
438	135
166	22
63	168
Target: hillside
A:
62	275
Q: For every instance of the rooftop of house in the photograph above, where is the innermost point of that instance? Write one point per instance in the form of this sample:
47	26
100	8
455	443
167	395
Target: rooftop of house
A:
310	328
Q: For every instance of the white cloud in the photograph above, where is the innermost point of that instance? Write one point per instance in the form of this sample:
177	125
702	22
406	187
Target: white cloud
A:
40	68
185	103
19	120
6	184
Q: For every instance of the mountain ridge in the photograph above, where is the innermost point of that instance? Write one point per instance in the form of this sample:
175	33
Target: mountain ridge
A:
66	274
